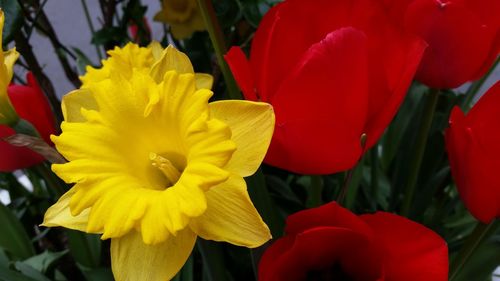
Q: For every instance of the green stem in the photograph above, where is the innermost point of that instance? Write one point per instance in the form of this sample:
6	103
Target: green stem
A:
481	232
255	266
263	203
24	127
213	260
374	171
419	150
345	185
475	87
349	184
217	38
91	26
314	192
53	182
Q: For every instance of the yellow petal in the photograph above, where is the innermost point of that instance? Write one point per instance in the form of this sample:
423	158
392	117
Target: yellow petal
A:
132	260
171	59
73	102
10	57
231	216
156	50
252	126
59	214
2	20
204	81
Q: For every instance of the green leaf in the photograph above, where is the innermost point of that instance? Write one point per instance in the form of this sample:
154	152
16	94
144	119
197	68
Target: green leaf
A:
228	12
263	202
97	274
85	248
30	271
4	259
13	237
482	263
11	275
81	61
393	137
13	19
45	260
252	11
115	35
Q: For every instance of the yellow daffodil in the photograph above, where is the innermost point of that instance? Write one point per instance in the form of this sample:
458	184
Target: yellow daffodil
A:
183	16
155	165
8	115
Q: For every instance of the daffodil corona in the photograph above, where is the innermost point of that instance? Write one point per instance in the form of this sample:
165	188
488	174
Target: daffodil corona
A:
155	165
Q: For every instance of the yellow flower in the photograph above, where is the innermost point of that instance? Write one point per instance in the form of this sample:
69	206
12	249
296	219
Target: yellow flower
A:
8	115
155	165
183	16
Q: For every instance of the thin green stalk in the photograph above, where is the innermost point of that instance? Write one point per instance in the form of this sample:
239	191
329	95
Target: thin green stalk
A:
418	151
374	171
91	26
349	184
354	184
314	192
217	38
481	232
345	186
475	87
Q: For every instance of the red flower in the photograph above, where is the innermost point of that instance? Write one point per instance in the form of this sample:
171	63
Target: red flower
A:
333	70
473	145
463	37
30	104
331	243
135	29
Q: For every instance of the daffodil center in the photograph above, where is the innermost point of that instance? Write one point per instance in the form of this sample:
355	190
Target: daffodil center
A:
168	169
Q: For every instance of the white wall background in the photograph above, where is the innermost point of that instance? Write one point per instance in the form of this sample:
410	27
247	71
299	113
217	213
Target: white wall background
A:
70	24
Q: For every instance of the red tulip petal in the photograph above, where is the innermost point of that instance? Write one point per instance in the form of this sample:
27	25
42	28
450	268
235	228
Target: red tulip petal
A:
30	104
484	118
411	251
394	59
288	31
459	42
488	13
13	158
321	107
318	249
473	151
240	68
331	214
278	248
259	52
457	140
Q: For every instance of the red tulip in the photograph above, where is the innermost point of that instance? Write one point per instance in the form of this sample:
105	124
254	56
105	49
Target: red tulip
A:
333	70
463	37
30	104
134	30
331	243
473	145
